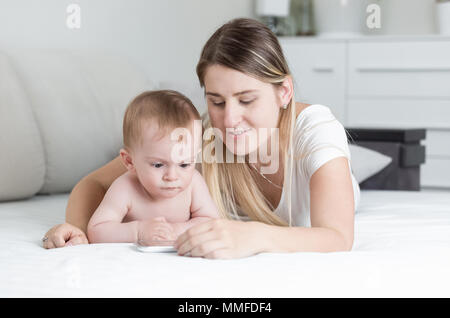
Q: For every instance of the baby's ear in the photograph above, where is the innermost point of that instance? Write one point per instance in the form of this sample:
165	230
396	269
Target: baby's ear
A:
127	160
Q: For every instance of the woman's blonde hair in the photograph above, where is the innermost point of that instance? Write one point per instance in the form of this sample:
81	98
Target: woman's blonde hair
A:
247	46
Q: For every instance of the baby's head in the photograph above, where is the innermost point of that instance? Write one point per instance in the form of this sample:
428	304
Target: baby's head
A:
163	162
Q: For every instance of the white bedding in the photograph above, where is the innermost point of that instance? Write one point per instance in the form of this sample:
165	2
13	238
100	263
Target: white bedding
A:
401	249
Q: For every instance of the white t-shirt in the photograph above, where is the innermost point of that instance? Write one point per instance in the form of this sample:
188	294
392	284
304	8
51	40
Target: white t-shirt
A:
318	133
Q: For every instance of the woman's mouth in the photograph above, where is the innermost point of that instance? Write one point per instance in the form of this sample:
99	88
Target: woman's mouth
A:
236	133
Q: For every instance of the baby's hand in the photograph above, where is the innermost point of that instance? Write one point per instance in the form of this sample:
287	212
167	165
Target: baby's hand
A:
154	230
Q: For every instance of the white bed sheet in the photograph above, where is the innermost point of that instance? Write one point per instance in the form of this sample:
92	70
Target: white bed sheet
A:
401	249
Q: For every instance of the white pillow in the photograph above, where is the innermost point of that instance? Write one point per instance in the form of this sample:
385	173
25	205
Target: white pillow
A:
22	162
78	98
366	162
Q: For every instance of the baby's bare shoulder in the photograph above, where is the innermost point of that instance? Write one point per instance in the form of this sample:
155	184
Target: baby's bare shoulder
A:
198	183
126	181
197	178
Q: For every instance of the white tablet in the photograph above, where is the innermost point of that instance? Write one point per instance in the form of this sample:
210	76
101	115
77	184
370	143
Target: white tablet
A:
157	247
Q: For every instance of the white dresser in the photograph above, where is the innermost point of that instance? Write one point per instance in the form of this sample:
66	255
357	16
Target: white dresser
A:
381	82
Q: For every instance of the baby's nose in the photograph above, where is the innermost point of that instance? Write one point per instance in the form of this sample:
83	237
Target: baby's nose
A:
171	174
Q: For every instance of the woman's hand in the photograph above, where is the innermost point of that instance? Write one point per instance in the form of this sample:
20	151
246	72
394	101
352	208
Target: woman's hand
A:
64	235
157	229
221	238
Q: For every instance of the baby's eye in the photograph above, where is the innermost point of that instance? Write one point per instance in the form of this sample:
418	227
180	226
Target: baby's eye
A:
157	165
185	165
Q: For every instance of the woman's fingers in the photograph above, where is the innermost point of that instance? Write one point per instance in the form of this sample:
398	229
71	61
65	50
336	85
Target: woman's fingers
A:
77	240
58	238
222	239
64	235
218	254
47	241
53	241
206	248
194	231
48	244
201	243
67	235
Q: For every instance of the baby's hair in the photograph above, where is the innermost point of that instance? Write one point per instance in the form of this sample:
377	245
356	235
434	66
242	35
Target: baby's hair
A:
166	108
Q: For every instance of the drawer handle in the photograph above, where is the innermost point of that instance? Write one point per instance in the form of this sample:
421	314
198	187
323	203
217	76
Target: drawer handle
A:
324	69
403	69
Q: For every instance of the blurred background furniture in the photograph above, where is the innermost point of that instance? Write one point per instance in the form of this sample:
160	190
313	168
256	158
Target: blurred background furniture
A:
403	147
272	11
61	116
381	82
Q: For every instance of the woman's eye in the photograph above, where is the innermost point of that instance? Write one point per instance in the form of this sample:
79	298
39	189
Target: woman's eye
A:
218	103
246	102
157	165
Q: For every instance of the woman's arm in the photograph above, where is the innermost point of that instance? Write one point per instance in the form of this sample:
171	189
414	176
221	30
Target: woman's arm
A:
89	192
83	201
332	217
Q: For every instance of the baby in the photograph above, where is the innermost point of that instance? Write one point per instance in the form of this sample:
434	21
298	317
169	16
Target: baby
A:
162	194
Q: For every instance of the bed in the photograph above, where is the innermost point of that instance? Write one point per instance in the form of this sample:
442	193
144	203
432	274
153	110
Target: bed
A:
401	249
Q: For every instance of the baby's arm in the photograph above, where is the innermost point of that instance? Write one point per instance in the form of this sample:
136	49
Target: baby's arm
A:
106	224
203	207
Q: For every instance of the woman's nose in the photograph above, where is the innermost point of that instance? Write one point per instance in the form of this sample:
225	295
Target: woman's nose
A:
232	115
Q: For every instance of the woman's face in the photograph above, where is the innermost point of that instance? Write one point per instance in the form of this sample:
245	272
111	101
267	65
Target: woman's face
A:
242	108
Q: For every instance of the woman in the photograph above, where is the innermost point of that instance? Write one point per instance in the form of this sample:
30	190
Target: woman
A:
307	204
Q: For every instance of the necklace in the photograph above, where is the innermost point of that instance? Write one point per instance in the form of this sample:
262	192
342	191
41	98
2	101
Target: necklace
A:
276	185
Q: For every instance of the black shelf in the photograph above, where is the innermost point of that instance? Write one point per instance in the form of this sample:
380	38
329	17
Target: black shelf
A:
387	134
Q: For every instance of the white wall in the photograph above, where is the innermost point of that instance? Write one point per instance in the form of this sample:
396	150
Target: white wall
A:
165	37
